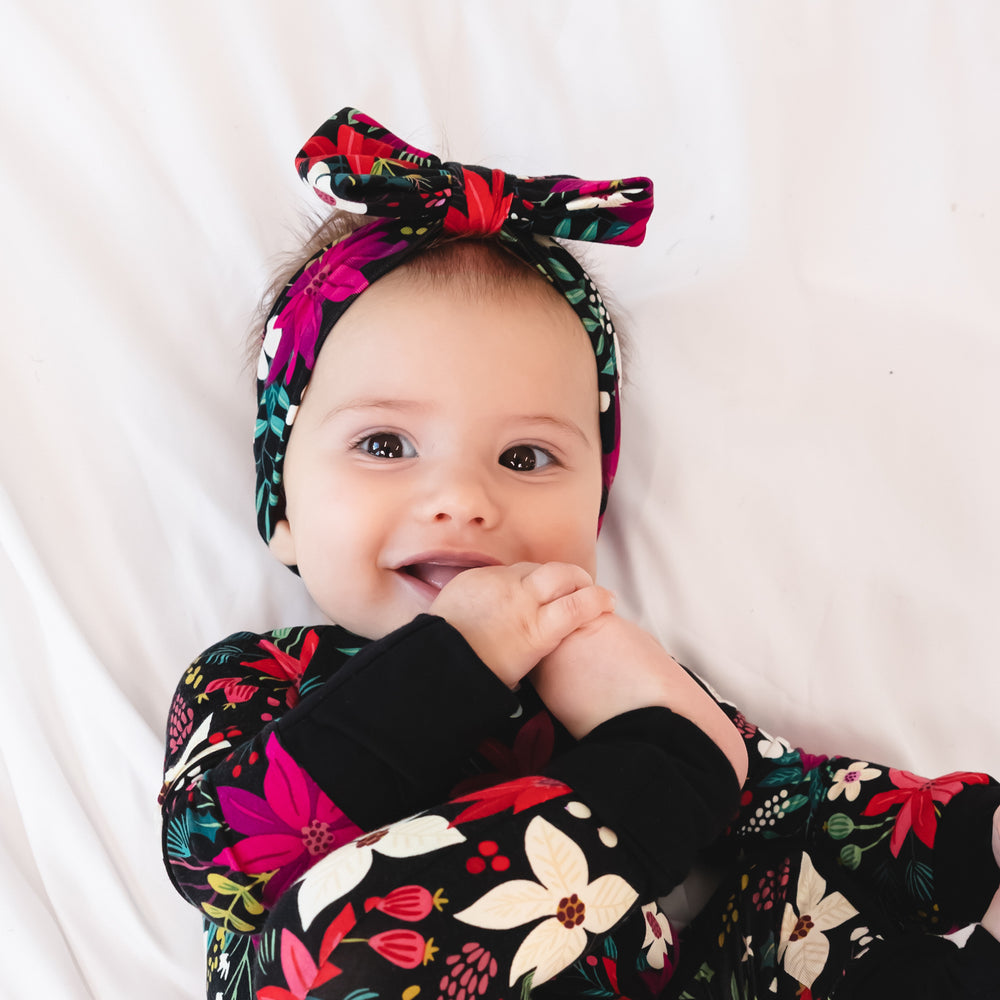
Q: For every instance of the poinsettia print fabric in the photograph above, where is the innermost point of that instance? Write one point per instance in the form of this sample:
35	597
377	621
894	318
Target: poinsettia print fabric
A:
514	883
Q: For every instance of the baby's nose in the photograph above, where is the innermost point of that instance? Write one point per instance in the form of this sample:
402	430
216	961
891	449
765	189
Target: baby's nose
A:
464	497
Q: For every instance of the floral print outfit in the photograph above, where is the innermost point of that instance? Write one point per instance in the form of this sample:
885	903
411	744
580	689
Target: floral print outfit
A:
386	819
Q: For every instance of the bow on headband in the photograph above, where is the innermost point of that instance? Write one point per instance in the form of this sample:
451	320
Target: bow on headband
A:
358	166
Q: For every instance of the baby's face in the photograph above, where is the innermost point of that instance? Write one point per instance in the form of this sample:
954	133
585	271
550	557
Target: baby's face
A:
440	433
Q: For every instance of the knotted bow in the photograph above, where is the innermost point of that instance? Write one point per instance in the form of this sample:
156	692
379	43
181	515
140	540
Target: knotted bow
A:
358	166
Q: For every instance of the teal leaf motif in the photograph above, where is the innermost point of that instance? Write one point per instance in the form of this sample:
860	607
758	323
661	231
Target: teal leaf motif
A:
920	881
783	776
178	837
558	269
794	802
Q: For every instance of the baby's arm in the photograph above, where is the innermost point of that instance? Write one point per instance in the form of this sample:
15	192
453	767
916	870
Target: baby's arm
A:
611	666
382	732
253	759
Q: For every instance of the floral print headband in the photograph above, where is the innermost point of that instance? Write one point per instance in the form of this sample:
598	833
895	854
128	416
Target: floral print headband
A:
358	166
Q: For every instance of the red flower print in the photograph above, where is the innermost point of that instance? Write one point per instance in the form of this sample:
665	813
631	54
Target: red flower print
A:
531	751
515	795
284	666
408	902
301	972
289	829
235	689
917	796
404	948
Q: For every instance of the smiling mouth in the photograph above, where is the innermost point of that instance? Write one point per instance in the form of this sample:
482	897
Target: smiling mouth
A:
438	573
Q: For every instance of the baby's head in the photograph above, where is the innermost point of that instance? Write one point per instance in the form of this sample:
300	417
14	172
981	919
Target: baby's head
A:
463	409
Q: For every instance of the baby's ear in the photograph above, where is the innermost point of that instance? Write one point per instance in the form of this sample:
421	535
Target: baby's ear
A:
282	544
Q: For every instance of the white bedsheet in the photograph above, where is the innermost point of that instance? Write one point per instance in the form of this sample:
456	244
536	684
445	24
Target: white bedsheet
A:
808	502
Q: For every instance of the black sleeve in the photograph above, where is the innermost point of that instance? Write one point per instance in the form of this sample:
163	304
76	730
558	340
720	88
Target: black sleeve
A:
923	967
387	734
668	786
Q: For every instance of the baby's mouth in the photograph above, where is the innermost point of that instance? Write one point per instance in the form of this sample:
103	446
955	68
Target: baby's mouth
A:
435	570
436	575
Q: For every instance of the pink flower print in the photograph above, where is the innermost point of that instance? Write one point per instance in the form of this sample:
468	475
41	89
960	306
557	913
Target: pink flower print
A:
301	972
288	830
772	888
334	276
181	723
471	972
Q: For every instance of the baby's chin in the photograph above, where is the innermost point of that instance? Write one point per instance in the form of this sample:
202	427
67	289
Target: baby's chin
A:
373	627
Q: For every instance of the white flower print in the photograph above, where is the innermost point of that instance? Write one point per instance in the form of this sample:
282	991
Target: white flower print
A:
566	896
848	780
804	948
268	348
659	936
772	747
343	869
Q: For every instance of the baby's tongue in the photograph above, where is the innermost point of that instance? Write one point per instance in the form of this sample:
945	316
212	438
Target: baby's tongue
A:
435	574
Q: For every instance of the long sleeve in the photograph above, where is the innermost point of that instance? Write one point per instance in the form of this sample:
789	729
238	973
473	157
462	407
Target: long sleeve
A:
281	748
510	886
921	843
848	873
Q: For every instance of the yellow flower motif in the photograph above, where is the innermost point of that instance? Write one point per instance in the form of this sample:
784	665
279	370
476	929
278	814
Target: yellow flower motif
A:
848	780
568	899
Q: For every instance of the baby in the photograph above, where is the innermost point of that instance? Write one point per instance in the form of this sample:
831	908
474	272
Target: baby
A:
480	779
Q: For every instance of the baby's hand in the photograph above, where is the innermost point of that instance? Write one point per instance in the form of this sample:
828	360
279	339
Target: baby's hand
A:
512	616
612	666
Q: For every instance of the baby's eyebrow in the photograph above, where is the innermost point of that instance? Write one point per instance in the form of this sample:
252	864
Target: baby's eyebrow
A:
569	426
404	405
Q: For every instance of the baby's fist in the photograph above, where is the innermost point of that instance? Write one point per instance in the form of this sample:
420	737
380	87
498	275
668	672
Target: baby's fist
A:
512	616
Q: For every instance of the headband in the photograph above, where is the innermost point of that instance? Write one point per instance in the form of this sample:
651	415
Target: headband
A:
357	166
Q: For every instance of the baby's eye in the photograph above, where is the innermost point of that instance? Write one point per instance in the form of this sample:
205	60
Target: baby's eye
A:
386	445
526	458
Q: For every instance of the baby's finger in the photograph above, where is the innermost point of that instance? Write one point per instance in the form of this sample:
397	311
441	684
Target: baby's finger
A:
552	580
558	618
